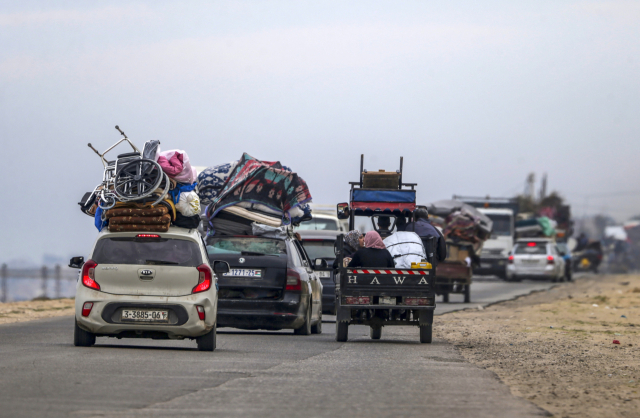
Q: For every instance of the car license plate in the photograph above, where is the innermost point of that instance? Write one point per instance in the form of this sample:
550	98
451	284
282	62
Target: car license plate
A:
254	274
324	274
386	300
145	315
485	265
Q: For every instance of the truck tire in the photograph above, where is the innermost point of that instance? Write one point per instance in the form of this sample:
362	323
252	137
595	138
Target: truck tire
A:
317	328
467	293
375	333
207	342
426	332
82	338
305	329
342	331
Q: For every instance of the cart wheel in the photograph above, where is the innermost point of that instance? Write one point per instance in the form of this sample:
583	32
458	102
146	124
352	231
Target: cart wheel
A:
445	297
467	293
137	179
375	333
342	331
426	332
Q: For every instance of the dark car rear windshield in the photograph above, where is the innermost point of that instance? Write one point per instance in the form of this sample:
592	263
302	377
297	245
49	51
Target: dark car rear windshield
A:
319	249
147	251
531	248
246	246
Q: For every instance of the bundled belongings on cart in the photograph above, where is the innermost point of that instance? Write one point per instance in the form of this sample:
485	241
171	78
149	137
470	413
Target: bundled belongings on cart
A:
464	228
254	191
144	191
529	226
405	248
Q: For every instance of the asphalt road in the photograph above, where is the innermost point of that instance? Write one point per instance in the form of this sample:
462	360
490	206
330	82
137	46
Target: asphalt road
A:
265	374
486	290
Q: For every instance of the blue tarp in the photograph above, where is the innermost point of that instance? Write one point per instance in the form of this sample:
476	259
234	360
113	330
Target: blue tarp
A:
391	196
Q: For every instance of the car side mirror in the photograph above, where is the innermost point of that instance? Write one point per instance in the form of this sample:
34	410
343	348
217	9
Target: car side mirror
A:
221	267
320	263
343	210
76	262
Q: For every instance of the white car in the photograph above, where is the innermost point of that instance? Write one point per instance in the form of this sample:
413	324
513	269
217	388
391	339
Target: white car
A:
535	258
147	285
323	222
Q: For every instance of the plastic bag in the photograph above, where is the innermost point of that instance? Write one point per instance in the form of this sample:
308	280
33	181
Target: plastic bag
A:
189	204
268	231
188	174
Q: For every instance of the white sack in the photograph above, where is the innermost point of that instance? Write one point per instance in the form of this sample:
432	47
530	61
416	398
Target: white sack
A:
405	248
189	204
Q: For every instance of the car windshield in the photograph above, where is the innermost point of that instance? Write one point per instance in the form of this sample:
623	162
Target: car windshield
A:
319	224
531	248
319	249
246	246
501	225
147	251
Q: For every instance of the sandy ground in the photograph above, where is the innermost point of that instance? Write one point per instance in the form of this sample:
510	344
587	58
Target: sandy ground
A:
557	349
36	309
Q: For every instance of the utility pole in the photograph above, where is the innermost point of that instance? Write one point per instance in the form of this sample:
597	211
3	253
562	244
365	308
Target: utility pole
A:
3	276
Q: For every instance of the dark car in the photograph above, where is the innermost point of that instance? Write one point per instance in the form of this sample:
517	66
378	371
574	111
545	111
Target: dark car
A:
320	245
270	285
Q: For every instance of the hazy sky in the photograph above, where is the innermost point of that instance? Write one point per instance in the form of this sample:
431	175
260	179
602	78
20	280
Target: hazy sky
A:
474	95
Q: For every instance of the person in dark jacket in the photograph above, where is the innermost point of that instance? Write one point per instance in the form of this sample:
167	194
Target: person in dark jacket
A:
353	240
375	254
425	230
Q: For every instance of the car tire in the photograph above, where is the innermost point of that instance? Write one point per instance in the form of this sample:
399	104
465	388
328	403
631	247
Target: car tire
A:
305	329
82	338
207	342
342	331
375	333
467	293
317	328
426	333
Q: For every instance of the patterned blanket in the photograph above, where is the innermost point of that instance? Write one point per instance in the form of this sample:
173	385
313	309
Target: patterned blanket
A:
264	182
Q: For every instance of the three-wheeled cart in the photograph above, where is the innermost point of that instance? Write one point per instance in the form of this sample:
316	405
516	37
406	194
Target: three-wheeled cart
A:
378	297
454	274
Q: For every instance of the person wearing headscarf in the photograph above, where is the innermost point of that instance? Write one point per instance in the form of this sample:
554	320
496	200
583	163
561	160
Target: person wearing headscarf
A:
375	253
353	240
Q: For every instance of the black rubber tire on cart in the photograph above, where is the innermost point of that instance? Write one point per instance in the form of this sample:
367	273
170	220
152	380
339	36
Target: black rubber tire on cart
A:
305	329
82	338
207	342
467	293
445	297
426	333
317	328
375	333
342	331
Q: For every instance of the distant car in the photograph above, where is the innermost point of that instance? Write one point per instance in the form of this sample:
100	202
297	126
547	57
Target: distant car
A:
565	253
322	222
537	258
147	285
270	285
320	246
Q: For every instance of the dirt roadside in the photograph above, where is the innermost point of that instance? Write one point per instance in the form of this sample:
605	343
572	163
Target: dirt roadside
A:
556	348
35	309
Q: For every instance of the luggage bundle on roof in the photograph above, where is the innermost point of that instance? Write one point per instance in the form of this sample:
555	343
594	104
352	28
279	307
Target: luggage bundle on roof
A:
146	190
252	195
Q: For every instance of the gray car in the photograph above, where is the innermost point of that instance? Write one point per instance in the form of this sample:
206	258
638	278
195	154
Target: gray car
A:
147	285
535	258
320	245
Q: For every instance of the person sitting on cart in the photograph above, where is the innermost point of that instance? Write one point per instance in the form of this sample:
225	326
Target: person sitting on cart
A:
384	225
374	253
353	240
425	230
